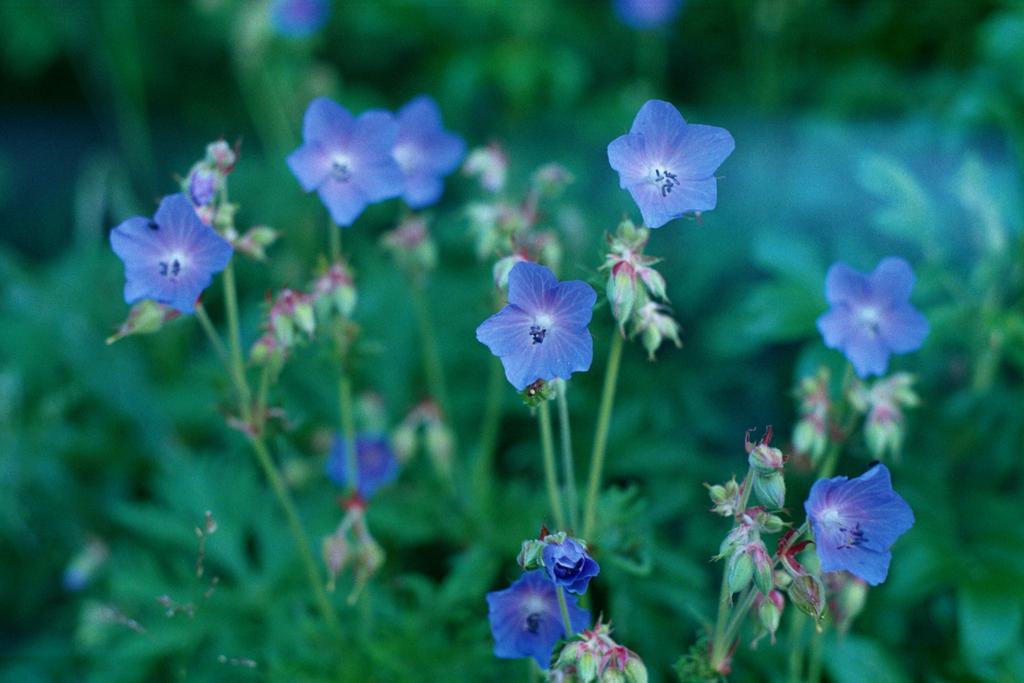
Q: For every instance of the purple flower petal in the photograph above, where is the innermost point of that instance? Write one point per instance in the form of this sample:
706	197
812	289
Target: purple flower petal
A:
904	328
844	284
344	201
326	121
425	151
528	284
892	280
376	463
310	164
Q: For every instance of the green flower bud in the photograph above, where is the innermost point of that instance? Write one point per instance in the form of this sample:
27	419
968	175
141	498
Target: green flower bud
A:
635	671
808	595
770	489
739	571
586	667
145	317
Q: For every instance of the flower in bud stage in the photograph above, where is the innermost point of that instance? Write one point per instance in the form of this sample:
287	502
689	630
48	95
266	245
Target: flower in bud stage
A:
764	577
504	266
202	184
870	315
810	435
737	537
299	18
542	333
847	596
335	292
767	463
667	164
255	241
856	521
268	351
490	164
347	159
145	317
568	565
550	179
531	554
375	462
411	246
770	489
769	612
403	441
807	594
220	155
170	259
884	428
425	151
291	310
526	620
594	656
739	569
726	497
654	326
440	444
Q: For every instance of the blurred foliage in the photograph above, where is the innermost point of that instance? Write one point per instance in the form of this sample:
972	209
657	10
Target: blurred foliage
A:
863	129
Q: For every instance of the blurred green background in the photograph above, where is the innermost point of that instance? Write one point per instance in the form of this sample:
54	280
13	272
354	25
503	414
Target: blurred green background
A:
863	129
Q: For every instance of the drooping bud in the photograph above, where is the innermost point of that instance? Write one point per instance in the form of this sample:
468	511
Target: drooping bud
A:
738	536
222	156
268	351
550	179
411	246
202	184
502	267
766	463
621	292
403	441
769	612
654	325
440	443
769	523
763	575
255	241
726	497
490	164
884	429
594	656
770	489
810	435
739	570
847	597
145	317
334	292
808	595
291	311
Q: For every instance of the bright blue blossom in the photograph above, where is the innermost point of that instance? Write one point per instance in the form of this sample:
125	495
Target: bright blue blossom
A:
667	164
526	621
425	151
542	332
170	258
299	18
568	565
856	521
375	462
347	159
871	315
643	14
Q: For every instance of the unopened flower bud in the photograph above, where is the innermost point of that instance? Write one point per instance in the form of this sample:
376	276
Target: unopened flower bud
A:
654	281
765	459
725	497
440	443
586	667
145	317
847	596
202	184
221	155
403	441
334	292
769	523
550	179
490	164
769	612
255	241
611	675
770	489
531	554
654	325
763	575
739	570
411	246
808	595
635	671
503	267
738	536
621	291
810	437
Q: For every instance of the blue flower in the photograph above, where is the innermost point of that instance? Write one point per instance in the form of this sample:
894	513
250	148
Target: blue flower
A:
425	151
643	14
202	185
526	620
568	565
667	164
375	462
871	315
542	332
299	18
170	259
347	159
856	521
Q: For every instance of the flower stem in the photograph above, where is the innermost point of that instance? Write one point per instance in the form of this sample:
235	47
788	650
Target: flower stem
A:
564	609
568	468
432	366
548	450
611	377
263	457
796	647
483	471
211	333
346	414
719	643
814	664
848	415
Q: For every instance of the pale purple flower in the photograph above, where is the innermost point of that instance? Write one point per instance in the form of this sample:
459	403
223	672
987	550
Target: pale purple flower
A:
347	159
425	151
871	315
856	521
542	333
667	164
376	464
171	258
644	14
299	18
568	565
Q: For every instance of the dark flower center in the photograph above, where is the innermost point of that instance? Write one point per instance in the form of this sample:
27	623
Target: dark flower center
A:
568	571
853	537
537	333
340	172
533	622
666	179
172	269
153	226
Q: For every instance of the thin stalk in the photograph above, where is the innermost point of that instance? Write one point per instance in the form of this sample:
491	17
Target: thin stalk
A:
428	344
568	469
796	647
235	342
346	413
848	415
334	239
814	663
564	609
211	333
611	377
548	450
719	644
483	471
260	418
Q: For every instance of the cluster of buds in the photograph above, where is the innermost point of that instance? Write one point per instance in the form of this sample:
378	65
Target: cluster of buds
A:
411	246
810	436
490	165
726	497
594	656
145	317
425	424
767	612
634	289
334	292
766	465
291	312
352	544
747	558
884	402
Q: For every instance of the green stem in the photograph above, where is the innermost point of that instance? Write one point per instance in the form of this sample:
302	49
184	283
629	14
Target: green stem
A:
211	333
548	450
719	643
334	239
564	609
260	418
483	472
796	647
348	428
848	415
235	342
568	468
814	664
428	344
611	377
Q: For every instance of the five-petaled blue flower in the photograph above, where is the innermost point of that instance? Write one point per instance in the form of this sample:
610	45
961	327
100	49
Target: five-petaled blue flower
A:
170	258
856	521
376	464
425	151
542	332
299	18
667	164
644	14
871	315
347	159
568	565
526	620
